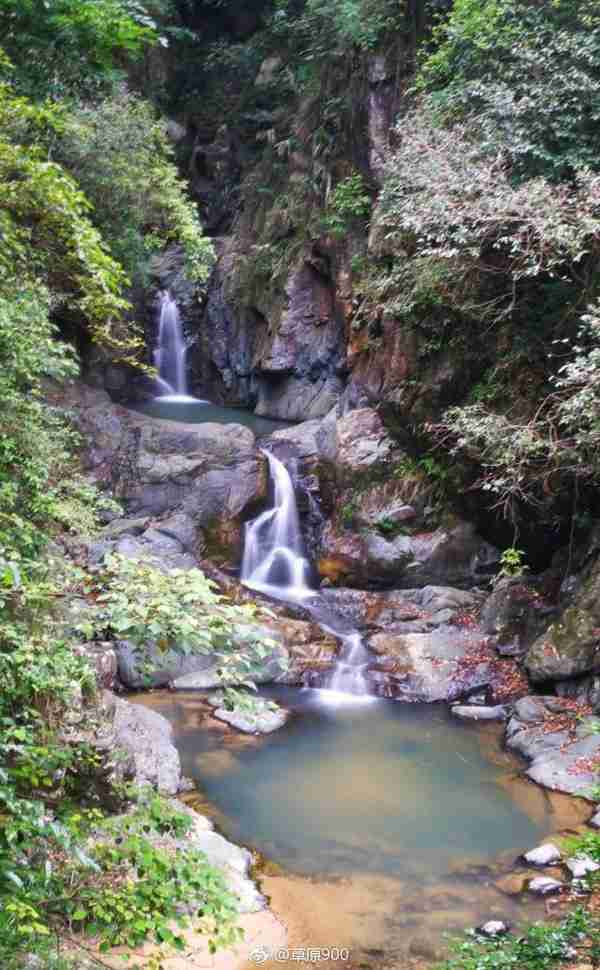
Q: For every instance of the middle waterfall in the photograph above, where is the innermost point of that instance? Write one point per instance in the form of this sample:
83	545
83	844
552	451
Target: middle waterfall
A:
274	560
275	563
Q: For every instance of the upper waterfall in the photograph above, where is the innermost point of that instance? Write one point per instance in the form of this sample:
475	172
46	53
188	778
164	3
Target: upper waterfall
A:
170	350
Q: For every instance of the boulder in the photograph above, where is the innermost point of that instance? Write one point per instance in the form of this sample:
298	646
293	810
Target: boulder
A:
147	737
262	720
480	712
493	928
516	612
543	855
402	611
456	556
581	866
234	861
571	645
443	665
361	445
545	886
563	752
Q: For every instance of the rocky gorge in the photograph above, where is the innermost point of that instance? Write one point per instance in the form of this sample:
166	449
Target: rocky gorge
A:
299	484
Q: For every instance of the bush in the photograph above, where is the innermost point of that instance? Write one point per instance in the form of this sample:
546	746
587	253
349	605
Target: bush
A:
72	46
179	610
541	947
120	155
527	78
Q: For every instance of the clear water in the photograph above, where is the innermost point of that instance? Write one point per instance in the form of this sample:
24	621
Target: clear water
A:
192	411
388	823
382	787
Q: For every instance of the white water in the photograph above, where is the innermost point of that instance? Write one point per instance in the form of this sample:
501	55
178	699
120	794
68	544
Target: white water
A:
170	353
275	563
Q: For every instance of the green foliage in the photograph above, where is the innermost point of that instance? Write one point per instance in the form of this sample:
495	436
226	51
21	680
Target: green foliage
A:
512	562
110	879
587	844
348	203
39	483
179	611
443	197
73	46
119	153
541	947
326	28
524	462
526	76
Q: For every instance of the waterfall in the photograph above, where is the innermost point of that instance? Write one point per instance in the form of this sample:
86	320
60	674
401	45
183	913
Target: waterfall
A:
348	675
274	562
170	351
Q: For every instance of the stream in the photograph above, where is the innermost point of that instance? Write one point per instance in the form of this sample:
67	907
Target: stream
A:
388	824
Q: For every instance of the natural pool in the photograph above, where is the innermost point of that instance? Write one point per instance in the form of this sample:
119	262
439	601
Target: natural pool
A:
390	822
191	411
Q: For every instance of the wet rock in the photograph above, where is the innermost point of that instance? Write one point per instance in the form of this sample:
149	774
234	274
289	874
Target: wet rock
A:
148	737
493	928
479	712
262	720
570	646
516	613
563	757
443	665
455	556
581	866
543	855
545	886
303	440
299	355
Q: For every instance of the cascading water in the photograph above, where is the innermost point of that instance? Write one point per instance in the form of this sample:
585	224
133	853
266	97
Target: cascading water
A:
275	563
170	352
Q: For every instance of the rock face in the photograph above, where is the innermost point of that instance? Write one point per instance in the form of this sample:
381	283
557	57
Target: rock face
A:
571	645
516	612
561	758
148	738
455	556
282	356
201	479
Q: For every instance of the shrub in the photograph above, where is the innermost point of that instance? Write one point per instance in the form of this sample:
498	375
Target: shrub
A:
442	196
527	78
70	46
119	153
179	610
